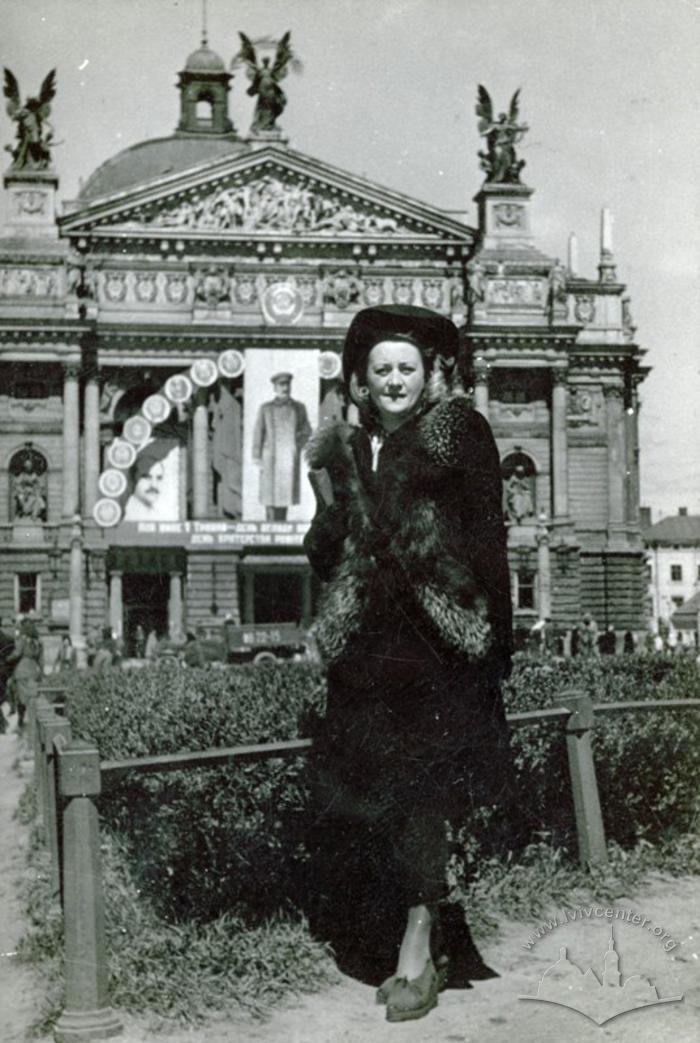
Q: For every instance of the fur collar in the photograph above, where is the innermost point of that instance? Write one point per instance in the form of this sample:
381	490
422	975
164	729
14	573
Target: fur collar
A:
414	543
440	431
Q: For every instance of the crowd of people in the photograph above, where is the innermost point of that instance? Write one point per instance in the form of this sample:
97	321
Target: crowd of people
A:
587	639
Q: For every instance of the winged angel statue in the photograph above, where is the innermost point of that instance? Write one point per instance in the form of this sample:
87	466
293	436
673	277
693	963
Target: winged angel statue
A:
265	80
502	135
34	132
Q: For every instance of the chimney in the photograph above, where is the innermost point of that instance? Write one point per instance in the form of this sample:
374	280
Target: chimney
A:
682	512
645	517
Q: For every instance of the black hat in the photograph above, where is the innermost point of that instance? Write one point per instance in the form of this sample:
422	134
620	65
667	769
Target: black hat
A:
432	334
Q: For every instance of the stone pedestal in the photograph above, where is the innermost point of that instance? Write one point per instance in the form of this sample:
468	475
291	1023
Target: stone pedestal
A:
504	216
31	203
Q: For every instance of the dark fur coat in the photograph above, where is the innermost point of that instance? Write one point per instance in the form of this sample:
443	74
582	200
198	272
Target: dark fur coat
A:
428	526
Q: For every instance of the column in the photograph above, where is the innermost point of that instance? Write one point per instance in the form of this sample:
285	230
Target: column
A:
200	463
91	442
560	461
175	619
632	460
481	386
75	593
71	439
116	606
616	454
544	569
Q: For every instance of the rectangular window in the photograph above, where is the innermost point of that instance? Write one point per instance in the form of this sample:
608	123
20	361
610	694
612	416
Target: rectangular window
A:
677	602
525	595
676	573
27	592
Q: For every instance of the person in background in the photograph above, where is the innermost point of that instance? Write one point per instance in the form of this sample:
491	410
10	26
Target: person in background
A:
589	635
151	649
194	650
629	644
106	653
27	671
575	641
7	644
607	642
65	656
139	642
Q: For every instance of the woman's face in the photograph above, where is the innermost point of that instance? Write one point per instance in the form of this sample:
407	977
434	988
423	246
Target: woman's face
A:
395	379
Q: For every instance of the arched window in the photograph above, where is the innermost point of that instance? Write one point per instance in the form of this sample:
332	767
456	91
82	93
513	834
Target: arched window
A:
28	487
204	111
519	494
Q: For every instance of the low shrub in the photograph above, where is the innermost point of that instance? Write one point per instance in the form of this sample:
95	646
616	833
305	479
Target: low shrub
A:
202	867
232	839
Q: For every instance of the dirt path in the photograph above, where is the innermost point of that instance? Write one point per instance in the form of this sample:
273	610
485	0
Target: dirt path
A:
490	1012
17	1005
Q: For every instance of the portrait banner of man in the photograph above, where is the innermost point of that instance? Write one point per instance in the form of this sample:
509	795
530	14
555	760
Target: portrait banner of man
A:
155	483
281	392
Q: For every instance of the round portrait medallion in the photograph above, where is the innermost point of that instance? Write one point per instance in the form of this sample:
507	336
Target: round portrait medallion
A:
137	430
112	482
156	408
204	372
121	454
106	513
328	365
178	388
231	363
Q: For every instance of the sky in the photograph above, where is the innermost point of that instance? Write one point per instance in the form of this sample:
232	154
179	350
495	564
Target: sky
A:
609	89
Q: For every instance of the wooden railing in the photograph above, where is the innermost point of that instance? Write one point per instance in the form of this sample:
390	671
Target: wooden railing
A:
69	776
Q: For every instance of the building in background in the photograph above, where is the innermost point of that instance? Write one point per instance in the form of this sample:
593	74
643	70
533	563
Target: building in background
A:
673	553
142	326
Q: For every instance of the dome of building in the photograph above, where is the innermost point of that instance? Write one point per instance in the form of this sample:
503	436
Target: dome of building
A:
156	158
204	60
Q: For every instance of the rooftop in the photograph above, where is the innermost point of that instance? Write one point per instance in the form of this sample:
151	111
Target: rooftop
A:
153	159
676	530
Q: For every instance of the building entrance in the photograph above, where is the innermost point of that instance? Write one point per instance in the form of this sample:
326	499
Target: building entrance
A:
145	605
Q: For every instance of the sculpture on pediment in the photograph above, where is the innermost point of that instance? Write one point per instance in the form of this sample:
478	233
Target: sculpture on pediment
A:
273	204
265	80
34	134
28	481
342	288
502	134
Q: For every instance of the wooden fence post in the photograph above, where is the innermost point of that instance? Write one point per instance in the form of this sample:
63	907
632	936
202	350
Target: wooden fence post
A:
584	786
87	1014
52	825
41	713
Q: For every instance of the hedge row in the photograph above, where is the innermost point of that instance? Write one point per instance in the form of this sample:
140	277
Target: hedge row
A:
231	840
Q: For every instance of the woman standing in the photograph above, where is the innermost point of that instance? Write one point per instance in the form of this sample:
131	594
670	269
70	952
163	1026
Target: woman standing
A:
415	629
